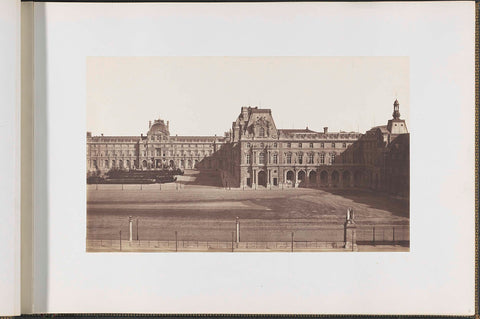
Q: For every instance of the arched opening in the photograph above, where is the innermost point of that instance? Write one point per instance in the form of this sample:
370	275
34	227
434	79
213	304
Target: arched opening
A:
357	178
290	177
196	164
301	178
171	163
113	164
128	164
144	164
346	178
120	164
312	178
182	164
324	178
335	178
189	164
262	178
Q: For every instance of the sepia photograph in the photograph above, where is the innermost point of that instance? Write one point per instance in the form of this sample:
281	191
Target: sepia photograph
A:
247	154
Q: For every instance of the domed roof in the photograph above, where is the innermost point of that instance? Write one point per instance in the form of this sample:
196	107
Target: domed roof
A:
158	127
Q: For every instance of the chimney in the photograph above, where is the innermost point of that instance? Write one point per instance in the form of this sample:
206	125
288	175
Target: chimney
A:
168	123
325	130
102	134
149	124
89	134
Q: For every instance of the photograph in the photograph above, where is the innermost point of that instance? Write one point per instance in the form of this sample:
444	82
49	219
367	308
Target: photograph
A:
247	154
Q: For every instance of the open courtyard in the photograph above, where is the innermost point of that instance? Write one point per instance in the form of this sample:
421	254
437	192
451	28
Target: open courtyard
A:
190	211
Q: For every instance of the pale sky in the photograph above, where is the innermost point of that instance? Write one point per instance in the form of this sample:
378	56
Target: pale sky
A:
203	95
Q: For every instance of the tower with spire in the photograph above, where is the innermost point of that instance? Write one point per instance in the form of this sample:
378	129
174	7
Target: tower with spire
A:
397	125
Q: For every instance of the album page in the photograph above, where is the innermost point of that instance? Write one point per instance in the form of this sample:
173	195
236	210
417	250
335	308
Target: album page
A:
310	158
10	158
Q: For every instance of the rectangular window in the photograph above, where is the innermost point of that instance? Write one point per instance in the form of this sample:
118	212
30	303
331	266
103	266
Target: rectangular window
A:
300	145
310	158
248	159
344	145
322	145
289	158
261	158
275	159
322	158
332	158
289	145
333	145
311	145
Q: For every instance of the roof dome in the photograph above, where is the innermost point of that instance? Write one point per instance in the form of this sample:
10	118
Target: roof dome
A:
158	127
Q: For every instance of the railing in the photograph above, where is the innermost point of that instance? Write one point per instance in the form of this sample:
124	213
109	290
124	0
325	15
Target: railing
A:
110	245
330	239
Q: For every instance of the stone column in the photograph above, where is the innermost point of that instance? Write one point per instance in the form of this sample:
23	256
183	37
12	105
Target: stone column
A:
254	179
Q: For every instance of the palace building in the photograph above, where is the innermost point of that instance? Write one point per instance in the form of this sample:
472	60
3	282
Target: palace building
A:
155	150
255	153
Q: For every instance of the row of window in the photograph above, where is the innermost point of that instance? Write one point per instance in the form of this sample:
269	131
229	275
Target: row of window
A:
300	145
288	158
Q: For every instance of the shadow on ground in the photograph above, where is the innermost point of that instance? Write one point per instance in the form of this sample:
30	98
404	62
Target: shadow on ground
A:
201	177
378	200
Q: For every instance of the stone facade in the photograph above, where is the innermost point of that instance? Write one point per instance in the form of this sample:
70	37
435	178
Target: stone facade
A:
264	156
380	159
156	150
257	154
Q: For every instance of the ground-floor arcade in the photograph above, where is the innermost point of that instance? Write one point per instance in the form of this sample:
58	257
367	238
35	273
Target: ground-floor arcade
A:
319	176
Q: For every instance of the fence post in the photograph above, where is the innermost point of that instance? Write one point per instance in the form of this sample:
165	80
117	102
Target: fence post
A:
130	228
393	235
238	230
292	242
